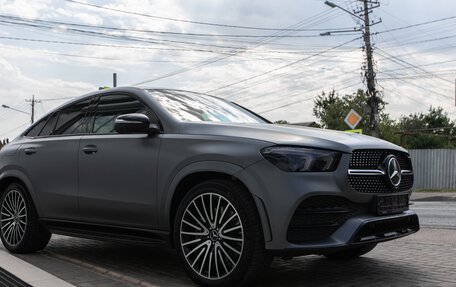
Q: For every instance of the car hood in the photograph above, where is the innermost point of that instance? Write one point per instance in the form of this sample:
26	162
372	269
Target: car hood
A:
290	135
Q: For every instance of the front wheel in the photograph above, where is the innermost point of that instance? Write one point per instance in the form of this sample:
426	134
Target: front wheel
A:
20	229
218	235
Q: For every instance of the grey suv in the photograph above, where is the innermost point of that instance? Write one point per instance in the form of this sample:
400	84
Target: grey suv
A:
223	186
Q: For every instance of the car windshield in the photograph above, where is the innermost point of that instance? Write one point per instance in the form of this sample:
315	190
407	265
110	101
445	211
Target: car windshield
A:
193	107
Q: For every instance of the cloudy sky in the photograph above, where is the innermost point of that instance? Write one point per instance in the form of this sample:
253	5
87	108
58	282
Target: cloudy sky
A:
267	55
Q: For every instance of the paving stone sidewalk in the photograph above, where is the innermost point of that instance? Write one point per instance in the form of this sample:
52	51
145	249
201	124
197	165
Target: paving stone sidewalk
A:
424	259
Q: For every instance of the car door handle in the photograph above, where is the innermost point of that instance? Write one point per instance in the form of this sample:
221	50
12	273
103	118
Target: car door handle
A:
90	149
30	150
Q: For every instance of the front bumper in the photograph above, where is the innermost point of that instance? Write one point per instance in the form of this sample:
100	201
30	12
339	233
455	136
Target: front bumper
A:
278	194
357	231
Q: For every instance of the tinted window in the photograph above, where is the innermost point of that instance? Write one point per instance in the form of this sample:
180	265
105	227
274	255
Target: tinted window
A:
37	128
49	127
72	120
193	107
110	107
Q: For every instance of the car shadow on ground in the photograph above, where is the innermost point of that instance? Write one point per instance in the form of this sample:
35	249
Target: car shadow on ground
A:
160	266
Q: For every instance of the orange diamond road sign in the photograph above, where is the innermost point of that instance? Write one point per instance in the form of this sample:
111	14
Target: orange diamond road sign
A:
352	119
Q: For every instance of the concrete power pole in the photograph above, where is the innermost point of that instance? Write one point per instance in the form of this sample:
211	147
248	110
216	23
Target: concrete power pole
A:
374	100
33	101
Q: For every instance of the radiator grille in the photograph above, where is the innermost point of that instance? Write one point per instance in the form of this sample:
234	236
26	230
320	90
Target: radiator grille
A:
371	160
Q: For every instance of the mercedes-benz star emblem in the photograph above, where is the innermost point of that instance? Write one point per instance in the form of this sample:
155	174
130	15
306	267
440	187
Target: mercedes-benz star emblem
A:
393	170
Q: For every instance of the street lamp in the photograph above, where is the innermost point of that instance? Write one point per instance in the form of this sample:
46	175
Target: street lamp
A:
8	107
332	5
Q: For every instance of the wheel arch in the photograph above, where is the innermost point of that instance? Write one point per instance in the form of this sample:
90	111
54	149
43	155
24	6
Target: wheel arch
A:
193	175
16	176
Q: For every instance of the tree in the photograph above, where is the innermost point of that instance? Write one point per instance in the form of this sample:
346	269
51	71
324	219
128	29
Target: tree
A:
331	109
282	122
433	129
389	129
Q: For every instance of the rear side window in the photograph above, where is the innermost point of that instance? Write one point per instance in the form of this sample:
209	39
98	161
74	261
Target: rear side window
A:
37	128
110	107
49	126
72	119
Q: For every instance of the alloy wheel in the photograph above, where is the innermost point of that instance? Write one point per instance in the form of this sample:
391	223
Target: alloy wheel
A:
13	217
211	236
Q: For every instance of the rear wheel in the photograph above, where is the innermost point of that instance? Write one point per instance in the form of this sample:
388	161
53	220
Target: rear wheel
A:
218	235
352	252
20	230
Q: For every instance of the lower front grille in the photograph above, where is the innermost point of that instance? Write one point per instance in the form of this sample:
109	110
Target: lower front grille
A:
377	183
318	217
384	229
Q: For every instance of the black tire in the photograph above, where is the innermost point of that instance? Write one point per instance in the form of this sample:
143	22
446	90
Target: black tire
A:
31	236
253	259
351	253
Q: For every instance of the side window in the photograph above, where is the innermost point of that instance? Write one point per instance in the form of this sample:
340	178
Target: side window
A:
37	128
72	119
49	126
110	107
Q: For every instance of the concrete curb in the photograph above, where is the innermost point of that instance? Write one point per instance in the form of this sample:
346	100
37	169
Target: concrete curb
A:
101	270
29	273
433	196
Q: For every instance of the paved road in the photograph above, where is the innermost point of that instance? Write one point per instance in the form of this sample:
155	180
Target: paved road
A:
422	259
436	214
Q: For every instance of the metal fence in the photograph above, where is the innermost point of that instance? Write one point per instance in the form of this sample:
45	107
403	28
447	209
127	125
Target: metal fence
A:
434	168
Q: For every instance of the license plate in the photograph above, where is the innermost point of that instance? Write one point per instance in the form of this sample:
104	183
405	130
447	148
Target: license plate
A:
389	204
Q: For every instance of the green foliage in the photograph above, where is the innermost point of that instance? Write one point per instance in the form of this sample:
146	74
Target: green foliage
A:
389	129
419	130
415	131
282	122
331	109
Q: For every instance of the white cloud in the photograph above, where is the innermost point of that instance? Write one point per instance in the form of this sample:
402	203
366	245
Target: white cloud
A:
24	8
17	87
28	68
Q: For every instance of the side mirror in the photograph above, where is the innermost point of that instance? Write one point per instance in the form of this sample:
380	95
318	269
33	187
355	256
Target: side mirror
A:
135	124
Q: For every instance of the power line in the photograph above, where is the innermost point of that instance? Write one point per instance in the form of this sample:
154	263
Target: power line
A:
15	128
288	97
185	20
214	60
416	25
104	45
306	99
238	90
418	86
389	56
172	33
281	67
422	41
43	52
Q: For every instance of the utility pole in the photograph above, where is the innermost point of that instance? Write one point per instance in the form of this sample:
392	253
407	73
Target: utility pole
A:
374	100
33	101
363	15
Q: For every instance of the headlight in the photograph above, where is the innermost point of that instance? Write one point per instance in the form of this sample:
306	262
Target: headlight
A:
298	159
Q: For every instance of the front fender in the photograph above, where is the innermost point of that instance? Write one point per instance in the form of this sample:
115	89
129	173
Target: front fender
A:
166	197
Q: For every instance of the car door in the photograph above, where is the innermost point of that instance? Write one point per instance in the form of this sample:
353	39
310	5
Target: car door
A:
117	172
49	159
